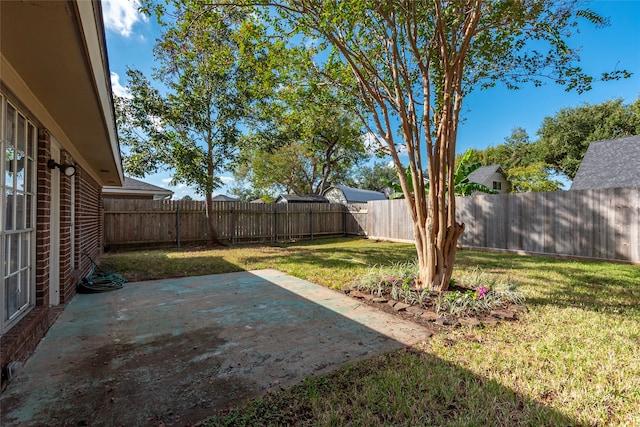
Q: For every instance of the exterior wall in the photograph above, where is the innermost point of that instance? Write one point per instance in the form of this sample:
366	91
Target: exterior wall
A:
498	177
89	228
20	341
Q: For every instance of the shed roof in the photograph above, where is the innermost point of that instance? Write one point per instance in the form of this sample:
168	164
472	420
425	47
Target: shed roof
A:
610	163
358	195
224	198
307	198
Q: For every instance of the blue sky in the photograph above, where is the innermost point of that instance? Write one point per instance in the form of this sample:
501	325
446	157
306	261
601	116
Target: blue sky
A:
489	116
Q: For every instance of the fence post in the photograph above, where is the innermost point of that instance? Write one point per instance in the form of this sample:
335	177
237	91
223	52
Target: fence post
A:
275	219
345	208
311	223
233	225
178	224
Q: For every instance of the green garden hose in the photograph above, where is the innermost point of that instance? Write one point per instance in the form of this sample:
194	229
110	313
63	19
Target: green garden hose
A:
100	281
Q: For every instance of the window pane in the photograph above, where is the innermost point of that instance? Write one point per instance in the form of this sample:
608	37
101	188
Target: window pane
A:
25	249
20	212
11	296
11	125
9	165
20	171
8	211
29	173
23	288
31	143
22	134
11	252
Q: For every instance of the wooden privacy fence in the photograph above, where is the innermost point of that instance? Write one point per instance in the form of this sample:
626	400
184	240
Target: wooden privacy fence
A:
598	224
141	222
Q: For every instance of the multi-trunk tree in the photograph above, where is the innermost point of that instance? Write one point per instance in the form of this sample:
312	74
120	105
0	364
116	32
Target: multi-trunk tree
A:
413	62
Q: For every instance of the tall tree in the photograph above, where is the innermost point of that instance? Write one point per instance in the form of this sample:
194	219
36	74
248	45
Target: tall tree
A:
372	177
305	135
534	177
187	118
414	61
304	153
565	137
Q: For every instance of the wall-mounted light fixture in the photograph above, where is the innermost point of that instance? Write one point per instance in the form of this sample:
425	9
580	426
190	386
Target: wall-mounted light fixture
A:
68	170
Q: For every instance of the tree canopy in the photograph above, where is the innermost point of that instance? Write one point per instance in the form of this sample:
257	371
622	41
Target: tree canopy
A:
409	64
413	63
565	136
187	118
305	140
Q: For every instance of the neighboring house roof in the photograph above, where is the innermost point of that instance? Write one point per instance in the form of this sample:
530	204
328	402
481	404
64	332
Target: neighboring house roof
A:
54	59
308	198
223	198
482	174
609	164
134	187
341	193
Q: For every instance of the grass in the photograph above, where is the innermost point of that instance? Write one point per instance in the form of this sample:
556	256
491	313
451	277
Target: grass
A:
574	359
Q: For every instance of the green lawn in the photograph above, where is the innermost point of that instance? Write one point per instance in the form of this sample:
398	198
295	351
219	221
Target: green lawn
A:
573	359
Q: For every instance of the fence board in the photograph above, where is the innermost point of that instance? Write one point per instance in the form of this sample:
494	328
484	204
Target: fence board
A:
600	224
138	222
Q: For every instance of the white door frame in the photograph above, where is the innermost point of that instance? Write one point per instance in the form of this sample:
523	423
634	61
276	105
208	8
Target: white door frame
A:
54	229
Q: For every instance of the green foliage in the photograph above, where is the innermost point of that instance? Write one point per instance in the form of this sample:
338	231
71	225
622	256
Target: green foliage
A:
374	177
565	137
462	185
304	135
534	177
187	118
305	152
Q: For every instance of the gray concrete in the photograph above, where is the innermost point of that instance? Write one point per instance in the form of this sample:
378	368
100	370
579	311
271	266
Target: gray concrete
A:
175	351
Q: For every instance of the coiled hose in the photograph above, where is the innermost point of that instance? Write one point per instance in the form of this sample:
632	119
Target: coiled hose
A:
100	281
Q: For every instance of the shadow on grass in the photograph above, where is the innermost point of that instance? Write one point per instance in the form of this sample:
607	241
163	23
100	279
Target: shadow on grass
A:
407	387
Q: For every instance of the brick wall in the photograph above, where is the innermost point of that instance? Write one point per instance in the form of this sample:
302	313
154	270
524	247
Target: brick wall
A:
20	341
89	221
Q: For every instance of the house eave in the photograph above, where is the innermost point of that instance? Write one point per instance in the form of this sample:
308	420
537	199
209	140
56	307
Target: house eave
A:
54	61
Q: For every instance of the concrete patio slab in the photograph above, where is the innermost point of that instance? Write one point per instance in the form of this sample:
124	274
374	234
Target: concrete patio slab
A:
175	351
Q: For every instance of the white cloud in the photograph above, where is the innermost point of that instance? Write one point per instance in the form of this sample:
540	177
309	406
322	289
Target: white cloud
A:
227	179
121	15
117	87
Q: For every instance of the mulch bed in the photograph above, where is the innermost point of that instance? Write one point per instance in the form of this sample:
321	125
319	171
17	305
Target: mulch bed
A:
427	316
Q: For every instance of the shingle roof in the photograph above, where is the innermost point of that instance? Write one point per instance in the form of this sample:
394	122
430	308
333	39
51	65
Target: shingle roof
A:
357	195
134	186
481	175
609	164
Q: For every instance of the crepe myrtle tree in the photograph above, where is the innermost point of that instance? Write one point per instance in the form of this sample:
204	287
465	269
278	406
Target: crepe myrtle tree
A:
414	61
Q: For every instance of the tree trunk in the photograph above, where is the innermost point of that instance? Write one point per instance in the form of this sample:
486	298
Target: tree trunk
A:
213	231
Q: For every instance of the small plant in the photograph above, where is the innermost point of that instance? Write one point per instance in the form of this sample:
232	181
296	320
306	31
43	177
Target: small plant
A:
480	299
